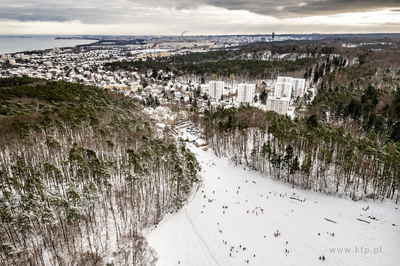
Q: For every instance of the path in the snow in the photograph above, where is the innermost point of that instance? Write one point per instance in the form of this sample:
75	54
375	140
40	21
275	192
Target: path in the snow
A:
193	237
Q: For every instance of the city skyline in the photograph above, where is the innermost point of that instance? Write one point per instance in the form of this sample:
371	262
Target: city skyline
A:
198	17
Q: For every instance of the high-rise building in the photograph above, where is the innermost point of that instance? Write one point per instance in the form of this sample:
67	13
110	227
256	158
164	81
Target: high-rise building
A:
216	89
279	105
6	56
246	92
286	86
22	56
283	87
298	87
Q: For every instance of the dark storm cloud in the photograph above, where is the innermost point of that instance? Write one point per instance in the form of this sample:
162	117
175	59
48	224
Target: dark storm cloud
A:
333	7
125	11
91	12
290	8
294	8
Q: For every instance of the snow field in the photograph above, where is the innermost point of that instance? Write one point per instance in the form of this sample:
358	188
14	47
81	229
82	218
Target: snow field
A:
192	236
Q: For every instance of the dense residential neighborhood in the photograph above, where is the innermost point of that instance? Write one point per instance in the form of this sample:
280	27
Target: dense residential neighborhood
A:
87	66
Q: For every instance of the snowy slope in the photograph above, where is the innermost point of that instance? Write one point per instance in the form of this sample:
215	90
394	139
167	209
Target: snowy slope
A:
192	235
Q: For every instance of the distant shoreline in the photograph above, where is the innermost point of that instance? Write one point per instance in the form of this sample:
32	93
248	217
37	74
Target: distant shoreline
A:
76	38
29	44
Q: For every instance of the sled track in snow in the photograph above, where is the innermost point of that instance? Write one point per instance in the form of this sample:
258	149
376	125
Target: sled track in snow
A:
202	240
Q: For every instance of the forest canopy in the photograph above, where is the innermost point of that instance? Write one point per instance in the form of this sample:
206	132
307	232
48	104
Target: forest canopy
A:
75	159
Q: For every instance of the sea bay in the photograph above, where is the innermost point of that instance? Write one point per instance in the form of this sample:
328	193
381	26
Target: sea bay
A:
20	44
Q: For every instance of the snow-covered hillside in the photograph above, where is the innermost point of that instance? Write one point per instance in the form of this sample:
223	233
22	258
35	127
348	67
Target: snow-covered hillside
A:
245	210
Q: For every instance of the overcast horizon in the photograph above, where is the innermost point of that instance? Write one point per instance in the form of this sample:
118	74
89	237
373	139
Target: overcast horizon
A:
198	17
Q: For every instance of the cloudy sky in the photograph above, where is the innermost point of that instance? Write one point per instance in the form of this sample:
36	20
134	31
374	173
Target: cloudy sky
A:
198	17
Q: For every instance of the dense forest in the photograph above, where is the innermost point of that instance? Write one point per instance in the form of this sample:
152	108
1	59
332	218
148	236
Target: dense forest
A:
306	152
82	173
250	68
365	41
364	97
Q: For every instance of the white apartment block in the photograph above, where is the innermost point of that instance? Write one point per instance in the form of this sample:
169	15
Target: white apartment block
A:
299	87
22	56
286	86
283	89
246	93
216	89
6	56
278	105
